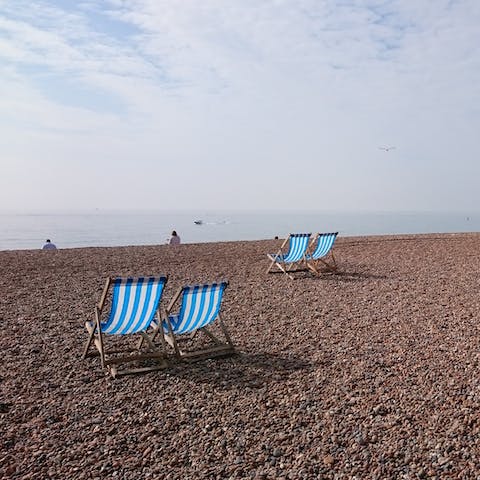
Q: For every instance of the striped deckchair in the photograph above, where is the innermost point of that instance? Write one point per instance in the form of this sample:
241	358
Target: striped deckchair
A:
134	305
200	307
324	244
298	244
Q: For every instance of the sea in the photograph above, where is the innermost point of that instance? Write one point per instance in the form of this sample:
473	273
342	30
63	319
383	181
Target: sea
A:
105	229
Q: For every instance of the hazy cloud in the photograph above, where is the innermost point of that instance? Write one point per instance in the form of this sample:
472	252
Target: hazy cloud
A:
243	104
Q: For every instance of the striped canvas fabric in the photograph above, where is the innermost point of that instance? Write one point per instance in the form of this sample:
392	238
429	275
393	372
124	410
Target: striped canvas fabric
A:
297	248
200	306
134	303
325	243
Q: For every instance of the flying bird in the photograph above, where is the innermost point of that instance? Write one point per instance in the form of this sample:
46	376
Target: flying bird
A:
387	149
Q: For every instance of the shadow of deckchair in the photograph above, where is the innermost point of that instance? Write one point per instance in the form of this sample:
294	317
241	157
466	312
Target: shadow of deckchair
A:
254	371
346	276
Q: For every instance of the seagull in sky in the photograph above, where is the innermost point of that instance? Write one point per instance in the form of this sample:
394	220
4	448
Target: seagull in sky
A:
387	149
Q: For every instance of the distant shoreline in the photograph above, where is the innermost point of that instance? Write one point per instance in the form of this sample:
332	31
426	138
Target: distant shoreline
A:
342	240
78	231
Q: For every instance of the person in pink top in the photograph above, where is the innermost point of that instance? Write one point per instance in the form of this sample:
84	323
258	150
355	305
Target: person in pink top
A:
174	239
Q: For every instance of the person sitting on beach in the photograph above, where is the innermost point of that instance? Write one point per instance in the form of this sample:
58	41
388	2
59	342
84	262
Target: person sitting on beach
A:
174	239
49	245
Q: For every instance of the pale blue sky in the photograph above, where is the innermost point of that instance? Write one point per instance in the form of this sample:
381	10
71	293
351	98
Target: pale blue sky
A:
237	105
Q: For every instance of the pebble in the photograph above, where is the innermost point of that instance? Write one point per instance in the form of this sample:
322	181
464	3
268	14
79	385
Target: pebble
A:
370	373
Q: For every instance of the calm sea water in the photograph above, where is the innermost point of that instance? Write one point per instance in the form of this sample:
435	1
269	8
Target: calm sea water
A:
117	229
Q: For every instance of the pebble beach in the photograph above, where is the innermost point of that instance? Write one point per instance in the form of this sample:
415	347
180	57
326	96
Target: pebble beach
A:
369	373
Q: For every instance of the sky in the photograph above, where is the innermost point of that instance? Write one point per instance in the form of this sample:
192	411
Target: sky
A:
239	105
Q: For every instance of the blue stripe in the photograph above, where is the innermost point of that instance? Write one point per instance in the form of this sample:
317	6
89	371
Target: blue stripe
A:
150	284
298	247
119	285
157	300
208	314
136	290
183	307
205	315
116	283
190	318
201	313
161	285
182	312
173	322
324	245
296	250
133	289
123	313
205	318
218	291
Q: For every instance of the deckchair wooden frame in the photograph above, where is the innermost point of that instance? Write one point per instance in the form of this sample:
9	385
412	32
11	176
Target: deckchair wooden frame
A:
220	348
313	264
286	268
97	337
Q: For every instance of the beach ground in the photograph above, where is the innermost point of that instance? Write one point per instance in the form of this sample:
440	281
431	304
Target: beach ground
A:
371	373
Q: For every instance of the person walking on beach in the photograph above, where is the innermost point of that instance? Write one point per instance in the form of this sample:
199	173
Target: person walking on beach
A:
174	239
49	245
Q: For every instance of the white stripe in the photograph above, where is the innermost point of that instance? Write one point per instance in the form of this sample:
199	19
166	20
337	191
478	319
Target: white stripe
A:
188	305
201	321
133	291
200	318
151	306
137	314
118	311
197	309
213	302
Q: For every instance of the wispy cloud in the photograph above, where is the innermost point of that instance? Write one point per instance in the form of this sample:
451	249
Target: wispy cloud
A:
242	86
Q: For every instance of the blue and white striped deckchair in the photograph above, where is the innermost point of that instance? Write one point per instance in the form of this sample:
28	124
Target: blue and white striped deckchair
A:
298	244
200	307
324	244
134	306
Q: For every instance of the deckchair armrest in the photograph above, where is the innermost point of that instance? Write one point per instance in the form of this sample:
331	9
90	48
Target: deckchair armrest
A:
101	303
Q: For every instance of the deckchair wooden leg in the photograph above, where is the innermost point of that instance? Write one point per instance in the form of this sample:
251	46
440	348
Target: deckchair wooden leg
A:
210	335
159	330
334	261
284	270
273	258
170	338
312	267
155	331
271	265
100	338
332	268
91	334
224	330
305	262
172	341
148	340
274	261
133	371
162	340
92	330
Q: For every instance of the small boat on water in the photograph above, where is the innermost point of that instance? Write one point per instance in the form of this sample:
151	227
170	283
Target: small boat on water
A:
198	222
